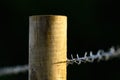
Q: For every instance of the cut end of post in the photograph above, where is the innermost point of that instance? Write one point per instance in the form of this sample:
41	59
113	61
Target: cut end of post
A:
48	15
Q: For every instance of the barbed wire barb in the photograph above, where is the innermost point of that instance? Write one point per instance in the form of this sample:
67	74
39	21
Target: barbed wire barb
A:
100	55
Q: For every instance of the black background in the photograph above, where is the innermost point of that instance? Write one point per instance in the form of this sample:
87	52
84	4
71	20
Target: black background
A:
92	25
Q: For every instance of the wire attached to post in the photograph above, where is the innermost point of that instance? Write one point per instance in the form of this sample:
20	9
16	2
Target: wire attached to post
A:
100	55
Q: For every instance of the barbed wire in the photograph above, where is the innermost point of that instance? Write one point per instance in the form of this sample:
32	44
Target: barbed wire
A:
13	70
100	55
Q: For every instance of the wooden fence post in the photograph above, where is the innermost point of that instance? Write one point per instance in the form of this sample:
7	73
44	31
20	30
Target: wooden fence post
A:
47	47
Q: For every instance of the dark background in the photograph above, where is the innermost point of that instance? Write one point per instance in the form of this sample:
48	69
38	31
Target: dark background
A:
92	25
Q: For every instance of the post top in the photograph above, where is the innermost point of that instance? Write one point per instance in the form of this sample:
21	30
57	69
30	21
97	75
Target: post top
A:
47	16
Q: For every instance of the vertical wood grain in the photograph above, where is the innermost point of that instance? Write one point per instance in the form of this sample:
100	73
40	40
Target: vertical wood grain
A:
47	47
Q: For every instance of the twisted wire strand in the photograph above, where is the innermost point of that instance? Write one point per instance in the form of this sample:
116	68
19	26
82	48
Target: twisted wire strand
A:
101	55
13	70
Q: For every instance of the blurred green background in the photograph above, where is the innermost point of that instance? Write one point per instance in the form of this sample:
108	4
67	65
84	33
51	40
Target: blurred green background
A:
92	25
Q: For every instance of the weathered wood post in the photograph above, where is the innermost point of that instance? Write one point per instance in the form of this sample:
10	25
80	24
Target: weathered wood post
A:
47	47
